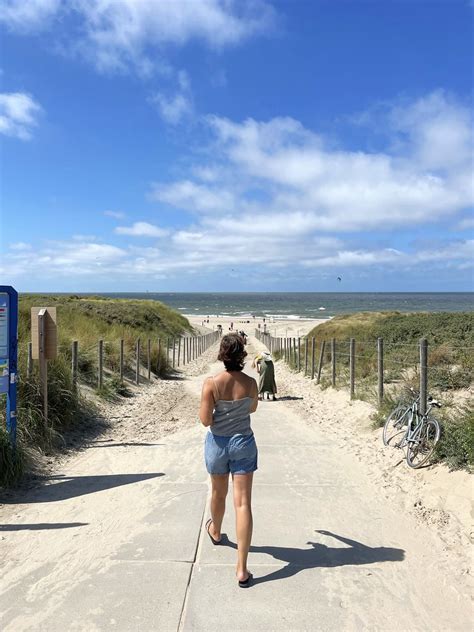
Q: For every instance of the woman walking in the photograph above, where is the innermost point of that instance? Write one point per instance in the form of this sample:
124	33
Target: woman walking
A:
266	372
226	403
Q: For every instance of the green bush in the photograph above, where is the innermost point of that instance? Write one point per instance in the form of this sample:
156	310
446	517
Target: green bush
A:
456	445
11	461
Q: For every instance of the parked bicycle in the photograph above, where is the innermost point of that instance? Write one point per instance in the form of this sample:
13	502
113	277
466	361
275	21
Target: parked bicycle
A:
407	427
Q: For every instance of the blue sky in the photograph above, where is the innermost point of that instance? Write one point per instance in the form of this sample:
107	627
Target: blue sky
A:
236	146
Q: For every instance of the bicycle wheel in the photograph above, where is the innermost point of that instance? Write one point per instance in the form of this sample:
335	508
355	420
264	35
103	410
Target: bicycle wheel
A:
395	425
422	447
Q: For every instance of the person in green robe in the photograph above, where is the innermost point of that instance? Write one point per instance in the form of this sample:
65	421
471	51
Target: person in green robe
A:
266	371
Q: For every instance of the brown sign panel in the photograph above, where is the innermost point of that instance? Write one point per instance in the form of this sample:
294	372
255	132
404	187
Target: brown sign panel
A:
50	333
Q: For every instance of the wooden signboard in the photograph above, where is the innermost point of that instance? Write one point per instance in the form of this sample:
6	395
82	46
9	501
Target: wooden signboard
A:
50	333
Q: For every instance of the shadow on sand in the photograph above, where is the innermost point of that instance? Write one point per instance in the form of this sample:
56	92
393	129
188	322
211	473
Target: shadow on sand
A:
74	486
41	526
322	556
109	444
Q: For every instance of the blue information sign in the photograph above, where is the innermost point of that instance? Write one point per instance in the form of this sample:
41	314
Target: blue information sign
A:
4	347
8	353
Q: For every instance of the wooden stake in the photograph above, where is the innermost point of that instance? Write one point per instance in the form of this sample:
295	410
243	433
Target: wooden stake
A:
423	375
137	368
43	363
380	369
352	367
74	362
148	358
100	372
121	360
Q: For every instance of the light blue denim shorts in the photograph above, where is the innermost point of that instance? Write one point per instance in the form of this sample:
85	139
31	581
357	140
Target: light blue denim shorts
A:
237	454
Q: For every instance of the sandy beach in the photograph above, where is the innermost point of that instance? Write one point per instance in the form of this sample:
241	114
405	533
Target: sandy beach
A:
291	327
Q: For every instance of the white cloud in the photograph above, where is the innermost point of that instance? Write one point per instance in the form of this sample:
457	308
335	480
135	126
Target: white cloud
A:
466	224
439	130
212	249
18	114
178	106
119	35
115	214
278	167
195	197
20	245
173	109
353	190
26	15
141	229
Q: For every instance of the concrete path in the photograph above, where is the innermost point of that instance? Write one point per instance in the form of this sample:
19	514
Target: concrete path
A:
116	542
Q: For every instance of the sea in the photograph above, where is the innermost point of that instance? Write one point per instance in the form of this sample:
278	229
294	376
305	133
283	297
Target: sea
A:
291	305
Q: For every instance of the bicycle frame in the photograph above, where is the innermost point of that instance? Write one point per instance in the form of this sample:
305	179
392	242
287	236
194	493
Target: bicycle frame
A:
413	435
412	412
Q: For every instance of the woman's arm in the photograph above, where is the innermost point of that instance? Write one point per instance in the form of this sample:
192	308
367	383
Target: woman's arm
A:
254	396
207	403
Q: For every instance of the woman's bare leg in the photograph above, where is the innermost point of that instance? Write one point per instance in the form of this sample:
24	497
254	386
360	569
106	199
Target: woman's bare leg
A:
244	521
220	485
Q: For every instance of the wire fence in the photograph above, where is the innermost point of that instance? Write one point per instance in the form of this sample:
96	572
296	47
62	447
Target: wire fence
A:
367	364
133	361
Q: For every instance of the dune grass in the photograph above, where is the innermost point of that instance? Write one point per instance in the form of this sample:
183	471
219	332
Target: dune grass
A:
85	319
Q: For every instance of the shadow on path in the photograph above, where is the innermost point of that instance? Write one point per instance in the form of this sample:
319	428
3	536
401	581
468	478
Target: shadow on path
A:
73	486
125	444
41	526
288	398
322	556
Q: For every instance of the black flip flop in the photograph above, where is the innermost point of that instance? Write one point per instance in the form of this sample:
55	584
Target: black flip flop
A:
246	582
208	524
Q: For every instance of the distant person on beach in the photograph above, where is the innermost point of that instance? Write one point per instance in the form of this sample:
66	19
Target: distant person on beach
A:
266	371
227	400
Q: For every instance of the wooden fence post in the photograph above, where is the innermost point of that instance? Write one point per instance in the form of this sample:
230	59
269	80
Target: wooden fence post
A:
179	348
305	356
74	362
137	370
121	360
29	361
313	349
321	360
380	369
100	374
174	352
333	361
43	363
148	358
352	367
423	375
158	362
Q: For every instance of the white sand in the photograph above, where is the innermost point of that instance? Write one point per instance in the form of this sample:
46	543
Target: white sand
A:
293	327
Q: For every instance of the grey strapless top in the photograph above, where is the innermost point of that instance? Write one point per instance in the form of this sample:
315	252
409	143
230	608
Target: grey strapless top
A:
231	417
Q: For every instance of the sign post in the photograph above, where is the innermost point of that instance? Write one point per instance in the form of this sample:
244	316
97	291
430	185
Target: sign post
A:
44	345
9	354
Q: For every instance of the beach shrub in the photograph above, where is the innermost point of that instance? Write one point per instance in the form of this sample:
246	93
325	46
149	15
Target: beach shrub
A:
11	461
456	446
